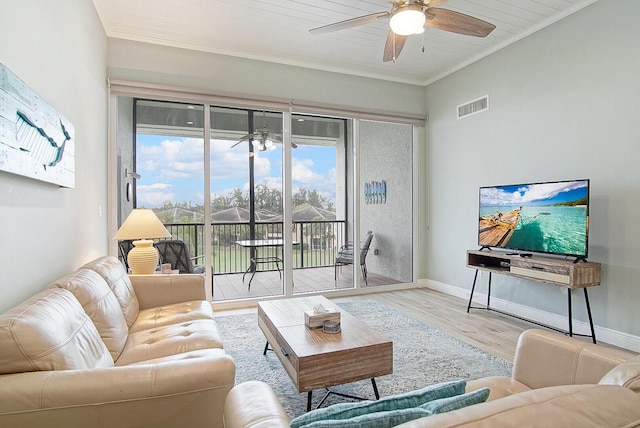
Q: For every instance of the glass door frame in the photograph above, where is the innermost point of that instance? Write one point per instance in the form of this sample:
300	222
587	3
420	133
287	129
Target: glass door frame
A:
133	90
287	208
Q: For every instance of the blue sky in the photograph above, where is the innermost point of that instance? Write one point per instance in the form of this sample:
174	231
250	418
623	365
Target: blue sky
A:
171	168
534	194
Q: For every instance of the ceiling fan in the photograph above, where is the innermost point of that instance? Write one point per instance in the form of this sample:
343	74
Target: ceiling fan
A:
409	17
263	138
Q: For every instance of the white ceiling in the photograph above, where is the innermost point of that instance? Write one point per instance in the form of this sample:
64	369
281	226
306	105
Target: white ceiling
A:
278	31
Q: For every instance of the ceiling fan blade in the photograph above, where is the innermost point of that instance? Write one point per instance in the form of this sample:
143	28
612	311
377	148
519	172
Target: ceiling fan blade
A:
350	23
434	3
246	137
393	46
456	22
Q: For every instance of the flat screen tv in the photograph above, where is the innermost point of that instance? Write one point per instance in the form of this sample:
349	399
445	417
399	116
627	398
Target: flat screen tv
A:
550	217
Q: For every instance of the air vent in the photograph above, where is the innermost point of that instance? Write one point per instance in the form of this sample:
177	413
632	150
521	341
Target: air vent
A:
473	107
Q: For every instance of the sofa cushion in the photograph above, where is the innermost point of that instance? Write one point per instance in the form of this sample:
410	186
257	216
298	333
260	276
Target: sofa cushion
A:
172	314
112	271
626	374
146	345
407	400
100	304
50	331
189	355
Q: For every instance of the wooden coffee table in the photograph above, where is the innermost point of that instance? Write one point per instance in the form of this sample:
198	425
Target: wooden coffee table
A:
314	359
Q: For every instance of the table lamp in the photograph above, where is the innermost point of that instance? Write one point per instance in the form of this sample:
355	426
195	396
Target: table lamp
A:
142	226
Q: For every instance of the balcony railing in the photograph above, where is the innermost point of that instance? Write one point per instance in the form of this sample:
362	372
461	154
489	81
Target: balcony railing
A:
317	243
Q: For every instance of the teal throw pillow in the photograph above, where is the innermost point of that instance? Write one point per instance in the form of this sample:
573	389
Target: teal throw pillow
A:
406	400
449	404
373	420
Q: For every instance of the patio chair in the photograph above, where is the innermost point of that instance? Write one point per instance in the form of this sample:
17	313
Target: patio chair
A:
176	252
124	247
345	256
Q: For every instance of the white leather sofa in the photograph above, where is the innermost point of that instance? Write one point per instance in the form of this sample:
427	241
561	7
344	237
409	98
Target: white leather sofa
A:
99	348
557	381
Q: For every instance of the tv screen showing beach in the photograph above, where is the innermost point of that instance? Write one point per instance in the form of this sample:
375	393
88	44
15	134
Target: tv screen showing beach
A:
540	217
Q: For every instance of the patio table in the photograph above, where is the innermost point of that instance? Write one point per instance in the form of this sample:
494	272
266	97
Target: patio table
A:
255	260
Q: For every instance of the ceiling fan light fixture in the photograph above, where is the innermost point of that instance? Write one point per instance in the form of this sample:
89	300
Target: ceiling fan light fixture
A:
407	20
259	144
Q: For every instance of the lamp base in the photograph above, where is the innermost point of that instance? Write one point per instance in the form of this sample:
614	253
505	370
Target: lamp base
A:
143	257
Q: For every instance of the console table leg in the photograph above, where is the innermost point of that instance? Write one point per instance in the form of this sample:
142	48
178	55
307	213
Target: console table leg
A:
569	312
309	401
489	292
586	301
473	287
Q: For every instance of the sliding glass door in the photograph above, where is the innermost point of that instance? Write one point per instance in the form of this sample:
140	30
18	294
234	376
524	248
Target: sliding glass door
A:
275	201
246	203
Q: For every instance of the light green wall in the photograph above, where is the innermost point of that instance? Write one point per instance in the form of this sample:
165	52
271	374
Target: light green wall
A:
224	74
59	50
563	105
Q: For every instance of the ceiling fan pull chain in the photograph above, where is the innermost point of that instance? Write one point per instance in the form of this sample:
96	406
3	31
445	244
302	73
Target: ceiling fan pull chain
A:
394	48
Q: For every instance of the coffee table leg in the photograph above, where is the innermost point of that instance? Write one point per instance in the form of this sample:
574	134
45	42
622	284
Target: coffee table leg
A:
375	388
329	392
266	348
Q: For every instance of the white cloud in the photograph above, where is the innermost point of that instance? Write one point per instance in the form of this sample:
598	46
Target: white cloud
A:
233	164
172	159
301	172
154	195
180	161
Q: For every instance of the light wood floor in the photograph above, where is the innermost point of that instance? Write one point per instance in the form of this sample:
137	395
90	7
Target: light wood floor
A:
489	331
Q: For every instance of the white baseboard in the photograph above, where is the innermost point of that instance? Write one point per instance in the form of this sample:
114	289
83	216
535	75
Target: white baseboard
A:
603	334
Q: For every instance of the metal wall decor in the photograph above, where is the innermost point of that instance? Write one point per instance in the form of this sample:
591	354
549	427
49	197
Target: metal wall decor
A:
35	140
375	192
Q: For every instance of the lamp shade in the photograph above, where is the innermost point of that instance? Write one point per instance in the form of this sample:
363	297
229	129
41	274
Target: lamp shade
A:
142	225
407	20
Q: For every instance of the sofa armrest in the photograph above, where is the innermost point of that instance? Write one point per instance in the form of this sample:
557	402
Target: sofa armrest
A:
544	358
592	406
159	290
253	404
186	392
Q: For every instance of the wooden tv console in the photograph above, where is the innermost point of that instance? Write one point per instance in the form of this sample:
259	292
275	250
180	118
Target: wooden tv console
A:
563	273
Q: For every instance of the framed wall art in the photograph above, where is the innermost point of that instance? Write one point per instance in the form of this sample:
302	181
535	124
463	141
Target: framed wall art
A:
35	140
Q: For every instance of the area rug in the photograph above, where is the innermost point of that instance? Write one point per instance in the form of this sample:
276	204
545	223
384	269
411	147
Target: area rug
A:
422	355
